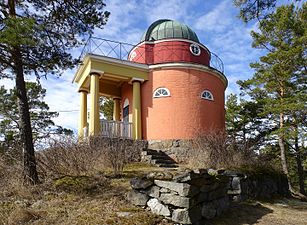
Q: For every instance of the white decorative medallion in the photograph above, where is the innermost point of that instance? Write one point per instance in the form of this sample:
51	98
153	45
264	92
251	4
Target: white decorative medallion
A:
195	49
132	55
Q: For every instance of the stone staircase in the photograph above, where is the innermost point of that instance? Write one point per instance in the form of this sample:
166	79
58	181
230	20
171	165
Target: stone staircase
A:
158	158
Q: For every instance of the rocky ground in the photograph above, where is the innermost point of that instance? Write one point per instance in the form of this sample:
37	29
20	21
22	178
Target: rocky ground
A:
100	199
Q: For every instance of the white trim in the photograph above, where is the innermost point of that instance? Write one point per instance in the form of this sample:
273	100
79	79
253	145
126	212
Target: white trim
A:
136	79
191	66
161	96
126	103
125	63
100	72
207	91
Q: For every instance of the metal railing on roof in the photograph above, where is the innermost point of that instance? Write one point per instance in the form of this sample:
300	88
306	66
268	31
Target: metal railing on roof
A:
121	50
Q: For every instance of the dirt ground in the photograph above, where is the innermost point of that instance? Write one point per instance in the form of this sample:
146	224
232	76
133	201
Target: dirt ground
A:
276	212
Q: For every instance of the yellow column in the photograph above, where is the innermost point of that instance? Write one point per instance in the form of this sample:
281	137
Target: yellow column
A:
136	111
83	113
94	126
116	109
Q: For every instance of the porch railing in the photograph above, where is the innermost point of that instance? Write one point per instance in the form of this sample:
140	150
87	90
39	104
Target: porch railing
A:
121	50
116	129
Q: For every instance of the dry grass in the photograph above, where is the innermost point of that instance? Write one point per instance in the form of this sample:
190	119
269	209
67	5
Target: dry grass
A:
69	157
79	200
100	199
216	150
80	187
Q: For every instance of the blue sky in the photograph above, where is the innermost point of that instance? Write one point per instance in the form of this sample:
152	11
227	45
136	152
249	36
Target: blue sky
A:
214	21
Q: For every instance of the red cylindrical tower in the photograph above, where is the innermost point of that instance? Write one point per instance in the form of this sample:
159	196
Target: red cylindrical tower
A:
184	95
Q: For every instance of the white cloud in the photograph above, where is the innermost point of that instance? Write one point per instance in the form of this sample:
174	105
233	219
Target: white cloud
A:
62	96
170	9
216	20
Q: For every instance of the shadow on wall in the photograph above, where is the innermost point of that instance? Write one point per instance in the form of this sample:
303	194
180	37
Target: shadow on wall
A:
241	213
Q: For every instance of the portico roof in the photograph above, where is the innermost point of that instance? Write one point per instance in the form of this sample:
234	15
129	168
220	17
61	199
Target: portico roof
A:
113	72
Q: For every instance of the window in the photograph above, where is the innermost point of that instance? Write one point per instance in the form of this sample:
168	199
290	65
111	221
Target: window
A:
207	95
161	92
195	49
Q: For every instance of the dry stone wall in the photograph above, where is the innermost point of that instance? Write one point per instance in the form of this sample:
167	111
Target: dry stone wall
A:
194	196
251	186
185	197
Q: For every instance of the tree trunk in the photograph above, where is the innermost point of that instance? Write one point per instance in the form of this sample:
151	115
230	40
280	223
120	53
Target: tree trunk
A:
300	169
281	143
29	169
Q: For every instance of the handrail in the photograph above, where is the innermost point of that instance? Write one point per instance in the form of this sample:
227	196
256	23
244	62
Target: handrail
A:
111	128
121	50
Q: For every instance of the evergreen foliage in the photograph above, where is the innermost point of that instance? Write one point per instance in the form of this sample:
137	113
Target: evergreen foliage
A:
36	38
41	118
280	82
106	107
256	9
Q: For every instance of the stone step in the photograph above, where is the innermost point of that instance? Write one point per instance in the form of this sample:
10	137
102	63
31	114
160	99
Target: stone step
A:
152	157
167	165
150	152
162	161
158	158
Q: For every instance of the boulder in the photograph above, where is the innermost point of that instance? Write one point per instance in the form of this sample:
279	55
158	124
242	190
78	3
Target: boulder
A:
223	205
208	210
182	189
176	200
209	187
137	198
153	191
218	193
165	190
140	183
158	208
235	184
160	176
185	216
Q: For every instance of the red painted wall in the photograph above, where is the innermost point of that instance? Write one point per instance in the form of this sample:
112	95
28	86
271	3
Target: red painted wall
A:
168	51
184	114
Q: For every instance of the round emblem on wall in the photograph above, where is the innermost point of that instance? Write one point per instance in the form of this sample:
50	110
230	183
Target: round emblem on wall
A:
132	55
195	49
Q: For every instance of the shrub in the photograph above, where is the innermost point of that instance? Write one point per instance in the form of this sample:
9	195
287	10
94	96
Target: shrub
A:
69	157
216	150
117	152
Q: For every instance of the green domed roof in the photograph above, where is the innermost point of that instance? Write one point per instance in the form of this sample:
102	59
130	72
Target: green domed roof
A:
165	29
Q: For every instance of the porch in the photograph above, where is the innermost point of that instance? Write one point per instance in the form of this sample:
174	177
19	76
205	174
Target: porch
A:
103	76
111	128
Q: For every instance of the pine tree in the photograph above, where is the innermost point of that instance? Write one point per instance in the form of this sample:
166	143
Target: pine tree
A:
106	107
36	38
256	9
41	118
245	124
280	75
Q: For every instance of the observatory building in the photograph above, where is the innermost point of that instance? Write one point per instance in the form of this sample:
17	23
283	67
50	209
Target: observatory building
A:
169	86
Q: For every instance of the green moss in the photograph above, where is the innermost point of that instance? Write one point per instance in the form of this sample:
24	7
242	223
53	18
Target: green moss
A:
80	184
69	182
